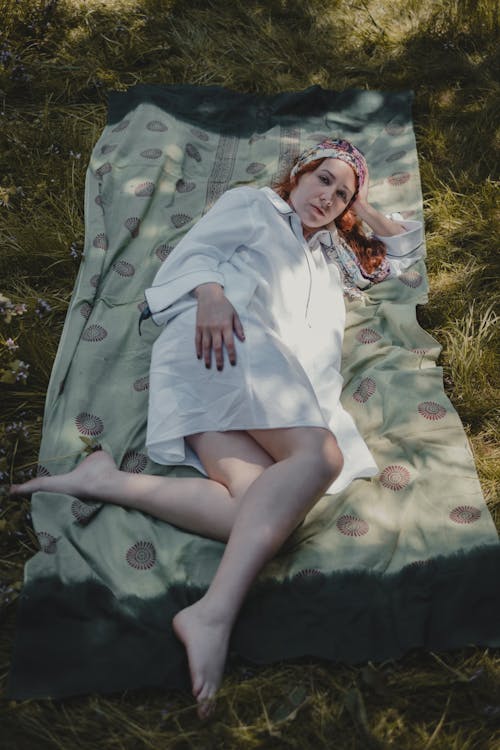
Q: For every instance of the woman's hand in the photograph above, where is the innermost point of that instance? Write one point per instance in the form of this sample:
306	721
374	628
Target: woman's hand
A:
216	319
378	223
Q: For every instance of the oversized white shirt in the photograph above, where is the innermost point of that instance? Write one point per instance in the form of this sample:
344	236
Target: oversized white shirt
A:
251	242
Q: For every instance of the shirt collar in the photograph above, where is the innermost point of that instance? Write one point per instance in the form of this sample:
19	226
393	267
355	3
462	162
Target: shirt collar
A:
281	205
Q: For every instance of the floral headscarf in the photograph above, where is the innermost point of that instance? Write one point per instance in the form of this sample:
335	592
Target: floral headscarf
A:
335	149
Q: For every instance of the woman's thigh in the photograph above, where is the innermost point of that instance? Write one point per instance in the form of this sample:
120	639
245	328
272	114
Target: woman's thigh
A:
317	442
232	458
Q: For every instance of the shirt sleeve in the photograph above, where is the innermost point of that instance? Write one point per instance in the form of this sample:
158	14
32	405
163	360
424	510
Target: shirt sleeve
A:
403	250
198	256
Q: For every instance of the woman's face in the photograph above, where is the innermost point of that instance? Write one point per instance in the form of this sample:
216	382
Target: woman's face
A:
320	196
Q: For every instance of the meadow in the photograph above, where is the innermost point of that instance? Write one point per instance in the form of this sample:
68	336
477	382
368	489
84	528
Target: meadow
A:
58	59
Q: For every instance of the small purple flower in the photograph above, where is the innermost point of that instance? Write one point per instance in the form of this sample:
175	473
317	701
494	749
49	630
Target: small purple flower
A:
11	345
73	251
22	372
42	308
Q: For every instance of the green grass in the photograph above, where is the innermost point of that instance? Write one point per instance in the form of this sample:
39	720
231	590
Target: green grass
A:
57	60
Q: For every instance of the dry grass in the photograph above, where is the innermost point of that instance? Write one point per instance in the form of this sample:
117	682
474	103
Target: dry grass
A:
57	59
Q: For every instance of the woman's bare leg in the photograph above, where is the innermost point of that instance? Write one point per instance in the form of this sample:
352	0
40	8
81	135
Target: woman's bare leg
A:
307	461
208	507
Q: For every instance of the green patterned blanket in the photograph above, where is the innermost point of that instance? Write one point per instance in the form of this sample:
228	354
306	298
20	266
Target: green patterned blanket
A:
407	559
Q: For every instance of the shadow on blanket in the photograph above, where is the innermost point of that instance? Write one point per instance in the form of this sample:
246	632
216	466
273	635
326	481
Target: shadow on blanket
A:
405	560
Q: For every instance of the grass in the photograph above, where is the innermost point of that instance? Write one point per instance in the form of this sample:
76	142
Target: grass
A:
57	60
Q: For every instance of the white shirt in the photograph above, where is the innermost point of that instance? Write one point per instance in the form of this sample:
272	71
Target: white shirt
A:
252	243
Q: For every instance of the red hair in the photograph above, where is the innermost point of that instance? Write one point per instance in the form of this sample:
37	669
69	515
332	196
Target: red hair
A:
369	251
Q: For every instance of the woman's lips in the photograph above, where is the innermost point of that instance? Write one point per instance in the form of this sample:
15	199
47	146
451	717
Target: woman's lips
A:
319	211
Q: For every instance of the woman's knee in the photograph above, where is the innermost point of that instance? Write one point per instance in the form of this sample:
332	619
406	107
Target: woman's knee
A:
329	458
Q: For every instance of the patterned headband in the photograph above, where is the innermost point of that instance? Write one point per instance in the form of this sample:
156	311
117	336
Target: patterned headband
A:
335	149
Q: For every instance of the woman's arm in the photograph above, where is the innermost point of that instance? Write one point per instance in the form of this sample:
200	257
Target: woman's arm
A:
378	223
199	255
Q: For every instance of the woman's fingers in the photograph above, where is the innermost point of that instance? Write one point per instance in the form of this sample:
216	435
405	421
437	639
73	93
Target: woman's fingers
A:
217	347
217	340
238	327
216	320
198	342
229	343
207	347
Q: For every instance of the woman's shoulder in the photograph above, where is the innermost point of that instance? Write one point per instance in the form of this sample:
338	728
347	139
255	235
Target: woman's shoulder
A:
244	192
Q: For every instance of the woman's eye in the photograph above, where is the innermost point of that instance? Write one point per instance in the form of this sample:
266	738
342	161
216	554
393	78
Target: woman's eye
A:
324	180
342	195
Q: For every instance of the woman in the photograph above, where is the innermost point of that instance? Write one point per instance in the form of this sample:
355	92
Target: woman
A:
258	283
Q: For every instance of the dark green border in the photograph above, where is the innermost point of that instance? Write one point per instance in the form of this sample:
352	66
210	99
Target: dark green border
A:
77	639
232	113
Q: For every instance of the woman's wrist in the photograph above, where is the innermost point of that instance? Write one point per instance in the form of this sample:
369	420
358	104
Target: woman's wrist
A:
209	289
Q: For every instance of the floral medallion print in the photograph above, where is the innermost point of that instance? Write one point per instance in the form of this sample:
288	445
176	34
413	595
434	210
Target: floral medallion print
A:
121	126
134	462
418	564
85	310
193	152
200	134
368	336
145	190
184	187
42	471
141	384
306	573
99	201
395	156
393	128
108	148
141	556
465	514
412	279
151	153
83	512
179	220
94	333
104	169
395	478
156	126
422	352
100	241
89	424
123	268
95	279
163	251
365	390
133	224
431	410
47	542
398	178
352	526
255	167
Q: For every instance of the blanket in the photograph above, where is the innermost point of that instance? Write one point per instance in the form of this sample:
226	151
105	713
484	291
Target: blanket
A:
404	560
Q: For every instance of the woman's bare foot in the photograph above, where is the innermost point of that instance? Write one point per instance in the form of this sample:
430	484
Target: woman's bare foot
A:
86	481
206	641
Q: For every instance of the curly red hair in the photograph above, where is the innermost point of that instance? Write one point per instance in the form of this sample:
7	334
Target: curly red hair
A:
369	251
